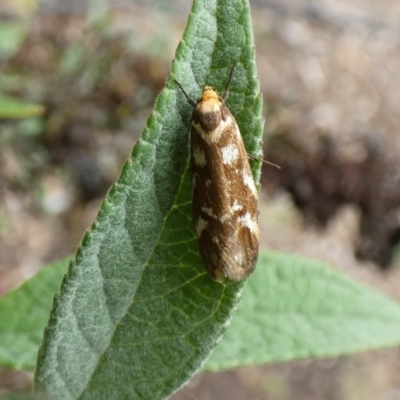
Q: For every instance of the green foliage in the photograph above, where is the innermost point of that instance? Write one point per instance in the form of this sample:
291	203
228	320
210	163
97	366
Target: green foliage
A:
14	108
137	315
12	34
292	308
21	332
296	308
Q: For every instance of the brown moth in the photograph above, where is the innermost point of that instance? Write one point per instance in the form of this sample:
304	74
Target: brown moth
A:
224	196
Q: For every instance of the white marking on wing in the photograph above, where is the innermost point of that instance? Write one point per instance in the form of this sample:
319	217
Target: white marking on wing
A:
201	224
249	182
239	258
236	206
194	179
224	217
199	157
249	223
230	154
208	211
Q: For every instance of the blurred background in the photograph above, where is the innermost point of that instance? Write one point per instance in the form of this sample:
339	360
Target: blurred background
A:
77	82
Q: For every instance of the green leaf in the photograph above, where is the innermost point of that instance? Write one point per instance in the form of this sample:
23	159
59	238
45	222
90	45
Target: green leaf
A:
292	308
24	396
295	308
12	35
24	313
137	315
14	108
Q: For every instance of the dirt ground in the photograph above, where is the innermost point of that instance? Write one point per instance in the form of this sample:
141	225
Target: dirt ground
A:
326	68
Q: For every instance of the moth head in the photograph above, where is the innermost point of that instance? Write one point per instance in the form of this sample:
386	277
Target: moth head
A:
209	101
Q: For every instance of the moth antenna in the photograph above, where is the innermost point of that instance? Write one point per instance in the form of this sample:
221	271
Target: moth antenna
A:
190	101
271	163
226	94
264	161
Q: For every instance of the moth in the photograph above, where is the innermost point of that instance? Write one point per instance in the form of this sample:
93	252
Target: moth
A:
224	195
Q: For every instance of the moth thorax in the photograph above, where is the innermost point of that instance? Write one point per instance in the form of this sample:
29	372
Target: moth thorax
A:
209	110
